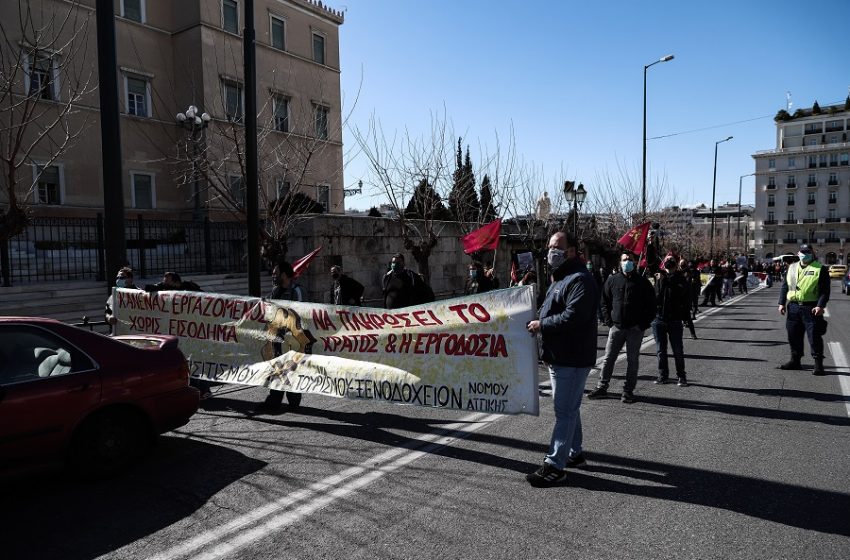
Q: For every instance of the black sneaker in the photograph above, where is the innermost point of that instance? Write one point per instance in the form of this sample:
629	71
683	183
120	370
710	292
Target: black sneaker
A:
661	380
627	398
576	461
545	476
683	382
598	393
790	364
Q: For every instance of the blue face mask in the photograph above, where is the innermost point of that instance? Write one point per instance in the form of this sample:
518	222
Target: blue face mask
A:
121	283
628	266
395	266
473	274
806	258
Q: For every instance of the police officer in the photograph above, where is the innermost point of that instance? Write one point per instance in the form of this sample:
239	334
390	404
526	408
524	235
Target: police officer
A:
802	300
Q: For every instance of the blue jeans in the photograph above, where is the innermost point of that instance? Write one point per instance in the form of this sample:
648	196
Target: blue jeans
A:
662	330
567	391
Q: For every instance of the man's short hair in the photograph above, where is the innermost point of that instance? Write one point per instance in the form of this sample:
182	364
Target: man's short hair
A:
286	268
628	254
126	271
397	256
173	275
336	268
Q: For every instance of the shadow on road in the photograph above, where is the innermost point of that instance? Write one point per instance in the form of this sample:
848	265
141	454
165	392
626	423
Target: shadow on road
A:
787	393
50	516
794	506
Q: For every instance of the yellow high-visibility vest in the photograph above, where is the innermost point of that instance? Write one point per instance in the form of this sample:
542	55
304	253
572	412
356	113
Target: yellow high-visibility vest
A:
803	282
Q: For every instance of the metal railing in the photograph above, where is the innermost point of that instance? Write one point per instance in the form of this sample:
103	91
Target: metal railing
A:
52	249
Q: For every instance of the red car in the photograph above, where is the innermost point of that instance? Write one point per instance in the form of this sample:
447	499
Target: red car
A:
94	401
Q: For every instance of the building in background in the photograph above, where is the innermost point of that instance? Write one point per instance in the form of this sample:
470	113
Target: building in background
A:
803	185
173	55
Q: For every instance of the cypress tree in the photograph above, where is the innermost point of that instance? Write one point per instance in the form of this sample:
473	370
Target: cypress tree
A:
488	209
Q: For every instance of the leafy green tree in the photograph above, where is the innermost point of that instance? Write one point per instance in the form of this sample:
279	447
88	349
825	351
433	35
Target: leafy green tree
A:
463	198
489	212
426	204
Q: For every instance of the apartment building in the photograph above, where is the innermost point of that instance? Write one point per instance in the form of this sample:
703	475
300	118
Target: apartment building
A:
803	185
180	163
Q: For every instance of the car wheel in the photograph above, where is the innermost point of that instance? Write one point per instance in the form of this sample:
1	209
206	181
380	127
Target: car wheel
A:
108	442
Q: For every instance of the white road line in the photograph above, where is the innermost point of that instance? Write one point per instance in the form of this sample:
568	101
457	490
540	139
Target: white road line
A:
323	492
840	359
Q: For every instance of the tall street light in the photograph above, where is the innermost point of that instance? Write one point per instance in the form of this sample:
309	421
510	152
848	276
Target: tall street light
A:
194	123
643	180
713	192
738	232
575	197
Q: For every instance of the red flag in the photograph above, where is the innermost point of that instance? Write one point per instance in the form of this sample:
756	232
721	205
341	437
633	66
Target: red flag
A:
300	266
483	238
634	240
514	276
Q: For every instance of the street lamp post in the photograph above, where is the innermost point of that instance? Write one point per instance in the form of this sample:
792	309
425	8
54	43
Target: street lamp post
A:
643	179
738	232
713	193
194	123
576	198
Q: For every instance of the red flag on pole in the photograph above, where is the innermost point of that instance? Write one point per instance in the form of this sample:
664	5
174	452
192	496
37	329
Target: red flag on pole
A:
514	275
485	238
634	240
300	266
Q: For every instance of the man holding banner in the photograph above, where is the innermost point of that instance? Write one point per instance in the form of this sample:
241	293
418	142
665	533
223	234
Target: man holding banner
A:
568	325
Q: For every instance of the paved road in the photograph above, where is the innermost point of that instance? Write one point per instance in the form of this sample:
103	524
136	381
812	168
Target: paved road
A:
748	462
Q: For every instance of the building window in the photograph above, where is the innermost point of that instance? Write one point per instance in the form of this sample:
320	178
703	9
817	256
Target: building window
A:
324	196
237	189
771	181
233	101
822	160
41	75
791	199
771	200
278	35
832	213
790	216
230	16
321	122
792	163
834	126
792	181
281	113
833	179
143	191
789	236
133	9
771	216
833	139
833	198
845	158
812	198
810	215
771	163
49	185
282	188
832	234
771	235
812	142
318	48
813	180
137	96
812	161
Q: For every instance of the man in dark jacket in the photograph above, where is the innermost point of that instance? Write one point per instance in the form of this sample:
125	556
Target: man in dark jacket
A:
568	325
346	290
478	280
402	287
671	309
628	307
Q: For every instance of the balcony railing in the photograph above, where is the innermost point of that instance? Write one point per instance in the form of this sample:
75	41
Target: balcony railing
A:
769	204
791	186
832	182
813	130
812	184
810	220
812	201
770	222
838	128
789	221
833	220
832	240
770	187
805	149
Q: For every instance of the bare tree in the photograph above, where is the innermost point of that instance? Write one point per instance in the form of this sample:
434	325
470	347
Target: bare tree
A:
43	79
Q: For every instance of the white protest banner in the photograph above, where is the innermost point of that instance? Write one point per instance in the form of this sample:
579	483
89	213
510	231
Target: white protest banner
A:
470	353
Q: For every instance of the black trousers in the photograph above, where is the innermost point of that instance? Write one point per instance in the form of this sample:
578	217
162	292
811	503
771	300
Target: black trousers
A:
799	321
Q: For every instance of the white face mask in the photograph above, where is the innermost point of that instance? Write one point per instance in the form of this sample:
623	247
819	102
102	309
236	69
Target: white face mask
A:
555	258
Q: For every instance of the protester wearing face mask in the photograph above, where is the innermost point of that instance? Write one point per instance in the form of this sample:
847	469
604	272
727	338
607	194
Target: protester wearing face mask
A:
345	290
478	280
124	279
402	287
567	325
628	307
803	298
672	309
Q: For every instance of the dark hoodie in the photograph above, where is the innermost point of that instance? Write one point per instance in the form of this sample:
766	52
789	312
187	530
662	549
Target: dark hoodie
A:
568	317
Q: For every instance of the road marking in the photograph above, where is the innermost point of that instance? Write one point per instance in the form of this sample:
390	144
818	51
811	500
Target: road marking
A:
322	493
840	359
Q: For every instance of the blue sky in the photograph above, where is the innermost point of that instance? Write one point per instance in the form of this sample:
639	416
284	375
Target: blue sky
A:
568	76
